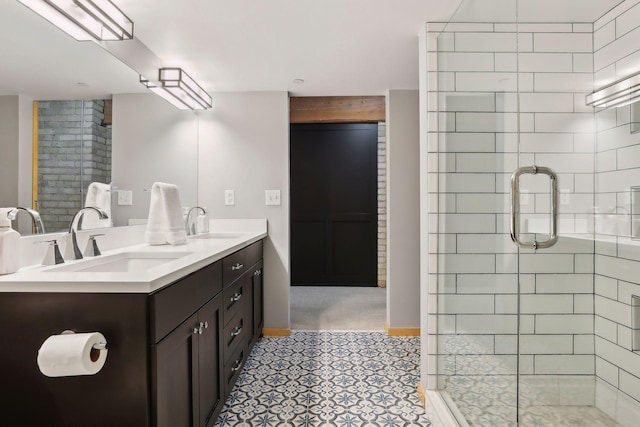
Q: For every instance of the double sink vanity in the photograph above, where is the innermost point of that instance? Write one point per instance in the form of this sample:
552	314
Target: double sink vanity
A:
179	322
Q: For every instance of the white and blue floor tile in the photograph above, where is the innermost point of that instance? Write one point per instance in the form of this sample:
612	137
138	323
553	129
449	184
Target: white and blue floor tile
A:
322	378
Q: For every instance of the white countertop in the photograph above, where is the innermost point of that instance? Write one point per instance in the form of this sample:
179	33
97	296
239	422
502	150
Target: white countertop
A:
198	252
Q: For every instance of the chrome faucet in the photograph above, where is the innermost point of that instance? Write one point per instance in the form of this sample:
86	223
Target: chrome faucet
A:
76	253
35	217
189	224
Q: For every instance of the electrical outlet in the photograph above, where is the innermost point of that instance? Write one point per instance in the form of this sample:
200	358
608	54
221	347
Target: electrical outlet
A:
229	197
125	197
272	197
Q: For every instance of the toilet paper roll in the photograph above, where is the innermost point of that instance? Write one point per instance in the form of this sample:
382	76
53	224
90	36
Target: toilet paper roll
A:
72	354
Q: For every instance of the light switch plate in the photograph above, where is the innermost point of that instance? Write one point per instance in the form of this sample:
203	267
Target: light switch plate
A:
229	197
125	197
272	197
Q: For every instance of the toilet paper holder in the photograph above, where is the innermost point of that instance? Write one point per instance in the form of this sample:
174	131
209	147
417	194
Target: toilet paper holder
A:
96	346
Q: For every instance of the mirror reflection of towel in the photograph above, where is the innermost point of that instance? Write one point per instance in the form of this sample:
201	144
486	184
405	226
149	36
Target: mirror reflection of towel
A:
98	196
166	224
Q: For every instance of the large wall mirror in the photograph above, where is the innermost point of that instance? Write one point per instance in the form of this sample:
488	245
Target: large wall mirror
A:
94	123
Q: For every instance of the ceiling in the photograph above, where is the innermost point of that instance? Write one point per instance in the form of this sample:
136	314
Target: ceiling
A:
338	47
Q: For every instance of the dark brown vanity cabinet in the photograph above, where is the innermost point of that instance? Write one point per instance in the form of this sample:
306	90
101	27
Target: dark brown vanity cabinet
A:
239	300
186	382
195	365
171	357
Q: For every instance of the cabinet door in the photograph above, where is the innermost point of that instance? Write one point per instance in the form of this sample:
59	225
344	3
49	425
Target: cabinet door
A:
175	376
210	361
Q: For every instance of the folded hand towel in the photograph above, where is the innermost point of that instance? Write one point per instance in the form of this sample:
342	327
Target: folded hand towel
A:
166	224
98	196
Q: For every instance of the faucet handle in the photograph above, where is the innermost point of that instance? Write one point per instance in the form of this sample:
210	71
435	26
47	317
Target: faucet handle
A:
92	246
53	255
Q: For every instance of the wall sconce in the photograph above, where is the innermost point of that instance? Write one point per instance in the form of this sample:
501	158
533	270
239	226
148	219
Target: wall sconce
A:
85	19
617	94
164	94
184	88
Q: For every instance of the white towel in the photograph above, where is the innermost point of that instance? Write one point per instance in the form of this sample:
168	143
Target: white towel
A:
165	216
98	196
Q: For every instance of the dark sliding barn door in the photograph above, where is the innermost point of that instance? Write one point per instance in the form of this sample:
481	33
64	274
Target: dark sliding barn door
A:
334	204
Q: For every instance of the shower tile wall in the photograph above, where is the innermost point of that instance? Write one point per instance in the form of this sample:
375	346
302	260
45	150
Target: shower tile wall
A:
617	262
474	278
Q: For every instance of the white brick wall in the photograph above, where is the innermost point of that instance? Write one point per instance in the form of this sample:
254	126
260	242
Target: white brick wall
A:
617	267
382	205
476	121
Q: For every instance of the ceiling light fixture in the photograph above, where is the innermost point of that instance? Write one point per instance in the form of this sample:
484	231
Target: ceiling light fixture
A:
184	88
85	19
617	94
164	94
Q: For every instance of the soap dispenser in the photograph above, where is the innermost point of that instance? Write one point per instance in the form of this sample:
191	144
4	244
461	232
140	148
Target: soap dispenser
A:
9	245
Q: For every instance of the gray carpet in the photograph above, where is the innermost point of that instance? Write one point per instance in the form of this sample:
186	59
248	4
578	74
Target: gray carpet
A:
315	308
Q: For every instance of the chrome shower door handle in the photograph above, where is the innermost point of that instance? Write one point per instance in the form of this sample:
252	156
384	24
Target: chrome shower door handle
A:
515	207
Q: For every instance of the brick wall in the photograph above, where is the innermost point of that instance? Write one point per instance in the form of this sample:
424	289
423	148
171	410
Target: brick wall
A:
73	150
382	205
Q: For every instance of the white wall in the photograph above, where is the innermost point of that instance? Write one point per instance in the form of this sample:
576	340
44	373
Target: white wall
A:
16	140
152	141
25	154
9	141
403	209
244	146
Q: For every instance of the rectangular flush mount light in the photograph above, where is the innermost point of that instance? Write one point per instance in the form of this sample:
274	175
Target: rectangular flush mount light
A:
85	19
616	94
184	88
164	94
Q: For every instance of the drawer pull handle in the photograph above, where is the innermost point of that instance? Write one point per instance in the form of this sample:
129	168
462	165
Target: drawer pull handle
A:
236	331
236	297
238	266
237	366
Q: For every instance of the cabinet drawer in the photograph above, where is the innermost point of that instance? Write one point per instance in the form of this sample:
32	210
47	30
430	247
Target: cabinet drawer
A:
239	262
233	368
234	334
234	298
172	304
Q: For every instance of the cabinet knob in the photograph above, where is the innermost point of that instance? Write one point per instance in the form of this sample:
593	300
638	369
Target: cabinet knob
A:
238	266
236	297
206	325
198	329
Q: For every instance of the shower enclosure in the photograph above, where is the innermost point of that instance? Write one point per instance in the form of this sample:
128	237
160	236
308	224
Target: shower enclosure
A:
542	333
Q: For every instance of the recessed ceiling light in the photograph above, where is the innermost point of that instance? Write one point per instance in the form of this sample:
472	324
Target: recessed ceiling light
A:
298	81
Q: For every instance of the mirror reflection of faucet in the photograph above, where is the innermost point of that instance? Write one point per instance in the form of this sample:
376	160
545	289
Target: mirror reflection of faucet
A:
35	218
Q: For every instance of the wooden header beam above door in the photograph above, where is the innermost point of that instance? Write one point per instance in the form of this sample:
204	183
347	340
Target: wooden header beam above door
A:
337	109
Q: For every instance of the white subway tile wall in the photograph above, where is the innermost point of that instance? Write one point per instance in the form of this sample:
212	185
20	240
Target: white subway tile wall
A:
475	97
487	83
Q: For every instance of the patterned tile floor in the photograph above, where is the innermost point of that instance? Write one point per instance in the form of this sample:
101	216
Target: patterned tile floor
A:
322	378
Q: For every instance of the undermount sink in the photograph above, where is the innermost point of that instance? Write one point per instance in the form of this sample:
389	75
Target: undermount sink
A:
120	263
217	236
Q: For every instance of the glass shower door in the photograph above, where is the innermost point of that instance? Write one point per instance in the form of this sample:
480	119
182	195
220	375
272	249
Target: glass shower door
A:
477	320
